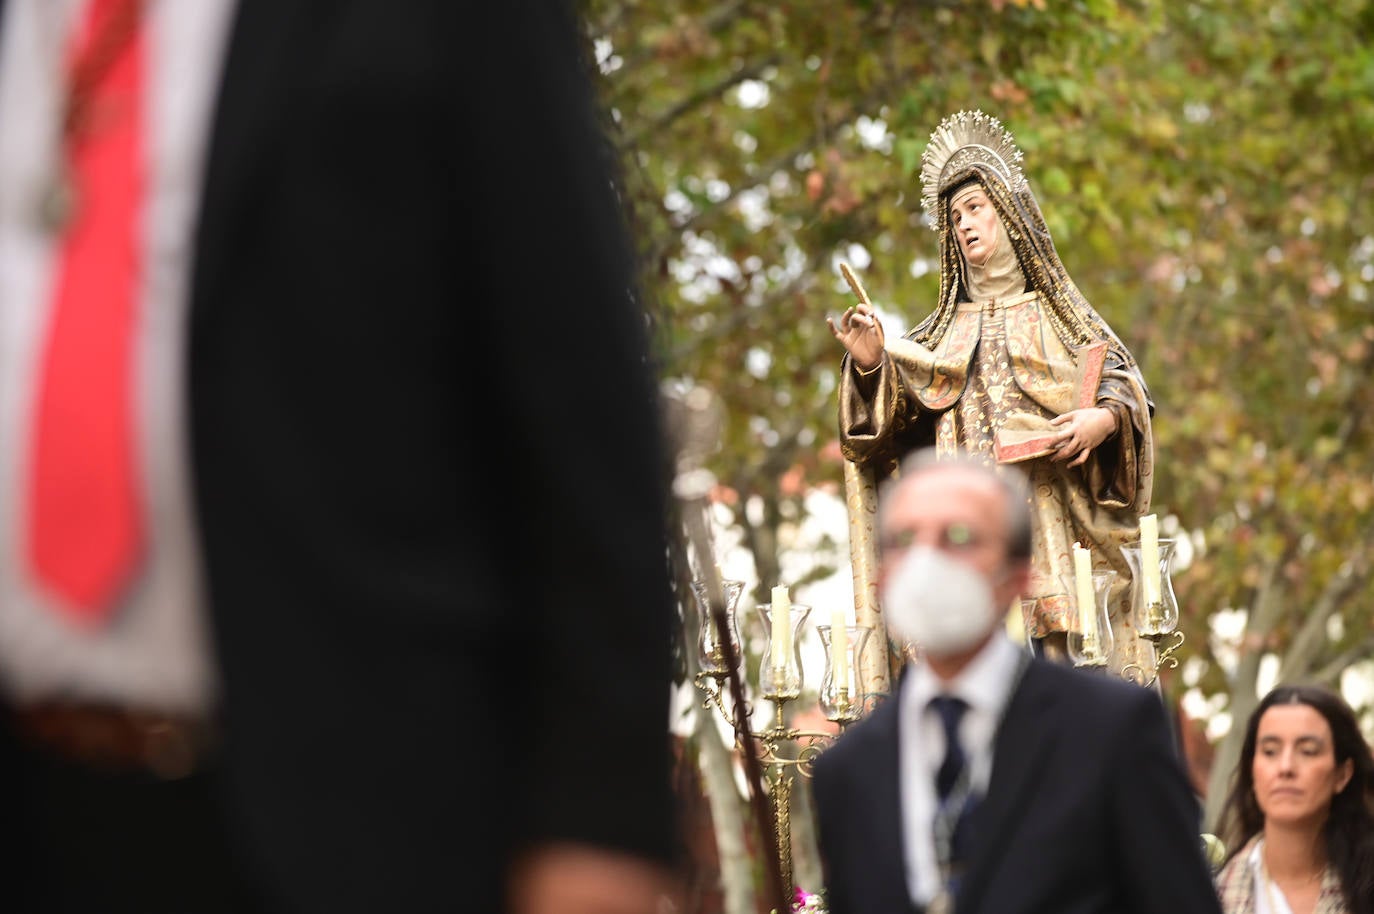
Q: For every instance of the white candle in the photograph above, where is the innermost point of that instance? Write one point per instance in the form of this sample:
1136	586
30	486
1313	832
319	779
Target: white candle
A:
1087	603
839	649
1149	558
782	627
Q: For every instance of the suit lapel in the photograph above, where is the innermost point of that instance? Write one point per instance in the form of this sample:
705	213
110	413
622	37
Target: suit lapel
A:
264	42
886	811
872	817
1018	760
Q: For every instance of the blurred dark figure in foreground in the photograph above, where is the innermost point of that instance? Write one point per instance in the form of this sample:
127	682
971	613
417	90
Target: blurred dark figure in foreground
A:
1300	819
990	782
319	589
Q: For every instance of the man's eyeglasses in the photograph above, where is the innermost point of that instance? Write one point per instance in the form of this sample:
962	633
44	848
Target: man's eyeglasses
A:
953	538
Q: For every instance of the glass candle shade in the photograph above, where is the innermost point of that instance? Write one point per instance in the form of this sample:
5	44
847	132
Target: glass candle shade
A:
710	654
842	691
1152	618
1090	640
780	673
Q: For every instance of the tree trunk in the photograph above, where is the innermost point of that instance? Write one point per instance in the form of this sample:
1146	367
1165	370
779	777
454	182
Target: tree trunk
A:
727	818
1265	609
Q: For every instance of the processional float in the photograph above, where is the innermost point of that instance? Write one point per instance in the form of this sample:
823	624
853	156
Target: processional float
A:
860	661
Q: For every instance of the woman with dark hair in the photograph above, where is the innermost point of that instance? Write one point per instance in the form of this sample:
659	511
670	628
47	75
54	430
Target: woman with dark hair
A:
1300	818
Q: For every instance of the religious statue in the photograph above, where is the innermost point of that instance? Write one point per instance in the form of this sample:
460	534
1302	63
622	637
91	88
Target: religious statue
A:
1013	366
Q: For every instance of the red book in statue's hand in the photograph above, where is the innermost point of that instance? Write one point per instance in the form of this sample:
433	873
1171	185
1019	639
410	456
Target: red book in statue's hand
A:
1015	441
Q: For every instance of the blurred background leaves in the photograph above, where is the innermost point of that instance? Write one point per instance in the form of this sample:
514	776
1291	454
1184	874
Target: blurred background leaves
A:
1205	168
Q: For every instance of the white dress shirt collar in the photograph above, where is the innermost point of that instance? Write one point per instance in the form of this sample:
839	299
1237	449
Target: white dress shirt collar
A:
986	684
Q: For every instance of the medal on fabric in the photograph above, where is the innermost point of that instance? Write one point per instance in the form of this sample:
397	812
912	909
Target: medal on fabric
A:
112	26
56	203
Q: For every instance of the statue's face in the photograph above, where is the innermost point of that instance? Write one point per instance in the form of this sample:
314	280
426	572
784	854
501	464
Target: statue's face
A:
974	222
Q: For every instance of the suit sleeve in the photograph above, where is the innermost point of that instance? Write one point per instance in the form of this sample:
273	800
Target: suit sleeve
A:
828	796
573	434
1156	819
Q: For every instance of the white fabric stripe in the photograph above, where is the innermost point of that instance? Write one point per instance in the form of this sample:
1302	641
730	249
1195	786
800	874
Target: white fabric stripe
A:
154	654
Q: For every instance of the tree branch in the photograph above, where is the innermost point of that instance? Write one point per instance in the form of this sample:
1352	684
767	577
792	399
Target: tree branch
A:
712	23
659	245
1332	671
1265	610
1306	645
606	23
1304	650
702	96
738	316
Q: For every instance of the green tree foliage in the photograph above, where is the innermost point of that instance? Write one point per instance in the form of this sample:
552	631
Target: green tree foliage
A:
1204	166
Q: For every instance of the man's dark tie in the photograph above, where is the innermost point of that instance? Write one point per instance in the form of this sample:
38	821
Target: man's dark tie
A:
951	711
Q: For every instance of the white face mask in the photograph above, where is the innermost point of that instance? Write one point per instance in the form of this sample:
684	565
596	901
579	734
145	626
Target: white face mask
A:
940	603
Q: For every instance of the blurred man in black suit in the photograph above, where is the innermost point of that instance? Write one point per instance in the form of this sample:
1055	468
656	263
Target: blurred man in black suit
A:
991	783
394	633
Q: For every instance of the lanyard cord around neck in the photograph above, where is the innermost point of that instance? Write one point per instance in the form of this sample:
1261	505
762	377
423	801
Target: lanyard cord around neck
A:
947	812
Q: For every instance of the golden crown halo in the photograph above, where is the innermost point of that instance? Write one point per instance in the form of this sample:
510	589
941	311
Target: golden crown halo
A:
963	139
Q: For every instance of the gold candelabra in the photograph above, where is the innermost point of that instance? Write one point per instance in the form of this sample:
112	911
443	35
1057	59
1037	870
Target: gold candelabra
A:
1154	608
781	681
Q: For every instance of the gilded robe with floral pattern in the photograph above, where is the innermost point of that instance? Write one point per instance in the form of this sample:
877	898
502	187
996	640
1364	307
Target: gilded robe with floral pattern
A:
1001	364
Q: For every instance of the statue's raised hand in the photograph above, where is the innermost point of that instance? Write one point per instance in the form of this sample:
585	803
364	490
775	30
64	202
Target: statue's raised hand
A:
862	334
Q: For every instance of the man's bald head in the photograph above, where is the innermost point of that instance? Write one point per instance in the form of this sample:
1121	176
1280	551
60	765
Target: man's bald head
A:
1008	494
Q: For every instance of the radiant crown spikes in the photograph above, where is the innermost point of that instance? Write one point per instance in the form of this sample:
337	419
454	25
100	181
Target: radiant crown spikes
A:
961	140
